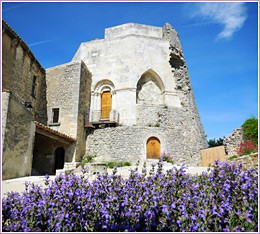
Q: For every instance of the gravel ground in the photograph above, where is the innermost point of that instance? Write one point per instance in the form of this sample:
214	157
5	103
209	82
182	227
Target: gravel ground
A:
18	184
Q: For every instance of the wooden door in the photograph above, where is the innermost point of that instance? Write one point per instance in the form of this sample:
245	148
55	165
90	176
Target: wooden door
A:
153	148
106	105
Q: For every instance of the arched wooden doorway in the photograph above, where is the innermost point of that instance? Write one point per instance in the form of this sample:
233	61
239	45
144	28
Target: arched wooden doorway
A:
59	158
153	148
106	104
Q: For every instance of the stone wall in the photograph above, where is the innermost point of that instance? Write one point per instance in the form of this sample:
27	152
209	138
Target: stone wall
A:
18	141
83	111
128	53
21	73
233	141
129	143
68	88
5	107
248	161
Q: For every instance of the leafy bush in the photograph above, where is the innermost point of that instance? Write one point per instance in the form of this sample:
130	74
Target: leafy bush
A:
118	164
224	199
250	130
166	157
246	147
88	158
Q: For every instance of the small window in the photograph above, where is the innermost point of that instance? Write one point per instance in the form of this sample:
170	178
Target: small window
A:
55	115
34	87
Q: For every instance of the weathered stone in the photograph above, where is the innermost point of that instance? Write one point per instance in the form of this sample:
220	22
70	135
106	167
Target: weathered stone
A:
233	141
145	70
248	161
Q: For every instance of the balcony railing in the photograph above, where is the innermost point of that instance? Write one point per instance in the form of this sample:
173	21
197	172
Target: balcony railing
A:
96	118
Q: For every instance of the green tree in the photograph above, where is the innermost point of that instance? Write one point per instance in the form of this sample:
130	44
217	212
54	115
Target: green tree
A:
250	130
214	142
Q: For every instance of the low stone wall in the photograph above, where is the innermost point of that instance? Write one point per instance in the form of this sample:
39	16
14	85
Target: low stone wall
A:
248	161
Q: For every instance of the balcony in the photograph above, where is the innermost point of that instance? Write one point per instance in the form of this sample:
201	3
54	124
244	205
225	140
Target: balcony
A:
99	120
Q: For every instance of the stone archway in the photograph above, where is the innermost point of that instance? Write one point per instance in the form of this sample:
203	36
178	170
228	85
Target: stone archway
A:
153	148
149	89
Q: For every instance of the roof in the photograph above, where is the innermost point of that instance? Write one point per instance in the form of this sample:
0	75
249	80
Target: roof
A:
51	132
8	30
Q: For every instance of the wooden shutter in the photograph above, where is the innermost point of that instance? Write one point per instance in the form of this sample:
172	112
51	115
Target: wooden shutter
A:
106	105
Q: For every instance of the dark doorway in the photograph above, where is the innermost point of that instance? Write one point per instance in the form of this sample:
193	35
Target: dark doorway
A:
59	158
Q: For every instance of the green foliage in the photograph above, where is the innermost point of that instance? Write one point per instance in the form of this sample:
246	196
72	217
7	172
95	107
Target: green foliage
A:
213	142
118	164
250	129
88	158
232	157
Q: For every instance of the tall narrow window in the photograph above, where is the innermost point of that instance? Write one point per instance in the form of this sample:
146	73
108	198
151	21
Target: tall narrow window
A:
55	115
34	86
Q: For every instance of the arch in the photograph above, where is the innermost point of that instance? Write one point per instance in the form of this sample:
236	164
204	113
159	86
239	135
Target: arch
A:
153	148
149	88
104	85
156	77
59	158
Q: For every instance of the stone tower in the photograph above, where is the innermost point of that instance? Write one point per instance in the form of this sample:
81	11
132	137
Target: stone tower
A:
142	102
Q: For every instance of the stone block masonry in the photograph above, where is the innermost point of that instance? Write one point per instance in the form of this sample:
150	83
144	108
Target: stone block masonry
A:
139	72
175	129
68	90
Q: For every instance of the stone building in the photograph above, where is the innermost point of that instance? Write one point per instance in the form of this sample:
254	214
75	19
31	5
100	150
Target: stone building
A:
125	97
28	145
139	102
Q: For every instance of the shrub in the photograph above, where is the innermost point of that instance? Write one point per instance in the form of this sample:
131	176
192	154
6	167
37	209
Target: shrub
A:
88	158
166	157
246	148
224	199
250	130
118	164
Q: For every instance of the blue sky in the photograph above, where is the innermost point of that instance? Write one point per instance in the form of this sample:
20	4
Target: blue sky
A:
219	40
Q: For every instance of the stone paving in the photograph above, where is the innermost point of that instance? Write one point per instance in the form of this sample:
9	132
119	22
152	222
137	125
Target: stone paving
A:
18	184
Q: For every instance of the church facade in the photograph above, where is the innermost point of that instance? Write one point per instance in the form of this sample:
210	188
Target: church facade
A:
139	98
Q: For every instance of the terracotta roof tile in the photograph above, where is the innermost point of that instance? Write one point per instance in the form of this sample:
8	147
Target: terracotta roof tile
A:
54	132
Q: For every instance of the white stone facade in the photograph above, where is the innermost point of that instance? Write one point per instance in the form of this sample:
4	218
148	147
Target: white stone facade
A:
144	71
128	53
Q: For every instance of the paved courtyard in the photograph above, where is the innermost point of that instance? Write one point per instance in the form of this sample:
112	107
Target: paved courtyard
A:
18	184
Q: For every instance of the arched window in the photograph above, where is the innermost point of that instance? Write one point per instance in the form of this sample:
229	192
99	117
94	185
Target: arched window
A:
153	148
103	100
149	89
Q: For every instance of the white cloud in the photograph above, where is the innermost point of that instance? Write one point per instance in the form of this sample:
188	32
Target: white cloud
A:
231	15
40	42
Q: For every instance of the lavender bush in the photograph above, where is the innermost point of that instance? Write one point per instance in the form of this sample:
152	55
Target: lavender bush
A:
225	199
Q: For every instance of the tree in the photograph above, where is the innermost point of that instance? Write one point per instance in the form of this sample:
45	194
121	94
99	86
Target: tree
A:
250	130
213	142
